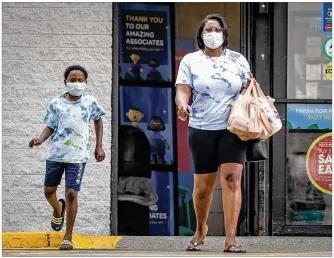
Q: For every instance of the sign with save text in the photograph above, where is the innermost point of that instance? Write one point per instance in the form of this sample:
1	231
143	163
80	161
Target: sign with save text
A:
319	163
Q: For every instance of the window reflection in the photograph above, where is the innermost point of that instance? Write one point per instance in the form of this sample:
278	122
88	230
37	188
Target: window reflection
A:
306	58
305	203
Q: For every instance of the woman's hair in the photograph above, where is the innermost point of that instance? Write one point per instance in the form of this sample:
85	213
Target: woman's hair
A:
217	17
75	68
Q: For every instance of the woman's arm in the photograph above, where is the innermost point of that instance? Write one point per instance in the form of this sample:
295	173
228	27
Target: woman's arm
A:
183	93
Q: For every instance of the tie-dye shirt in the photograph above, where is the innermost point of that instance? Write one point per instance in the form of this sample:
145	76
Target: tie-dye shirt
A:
71	139
216	82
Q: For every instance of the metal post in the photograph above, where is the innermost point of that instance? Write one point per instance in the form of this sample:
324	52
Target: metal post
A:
262	65
175	172
246	48
115	121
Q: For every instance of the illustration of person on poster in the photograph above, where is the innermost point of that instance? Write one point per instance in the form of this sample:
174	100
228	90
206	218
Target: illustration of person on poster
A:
135	115
154	74
150	109
135	68
159	144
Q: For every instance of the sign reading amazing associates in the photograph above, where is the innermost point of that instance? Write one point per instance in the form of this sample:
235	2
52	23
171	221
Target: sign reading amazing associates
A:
145	42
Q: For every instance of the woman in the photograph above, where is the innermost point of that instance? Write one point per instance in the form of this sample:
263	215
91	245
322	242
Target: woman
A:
214	75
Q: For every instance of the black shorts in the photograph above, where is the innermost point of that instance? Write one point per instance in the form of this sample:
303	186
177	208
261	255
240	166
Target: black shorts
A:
211	148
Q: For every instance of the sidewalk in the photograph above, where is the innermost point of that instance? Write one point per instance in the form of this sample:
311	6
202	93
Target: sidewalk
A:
266	244
175	246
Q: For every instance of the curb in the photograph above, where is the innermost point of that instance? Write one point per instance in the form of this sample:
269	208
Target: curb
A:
23	240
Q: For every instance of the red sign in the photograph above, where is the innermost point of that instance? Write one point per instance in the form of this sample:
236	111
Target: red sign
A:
328	27
319	163
183	152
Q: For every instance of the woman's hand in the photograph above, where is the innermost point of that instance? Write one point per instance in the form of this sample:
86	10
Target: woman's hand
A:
183	93
249	79
183	112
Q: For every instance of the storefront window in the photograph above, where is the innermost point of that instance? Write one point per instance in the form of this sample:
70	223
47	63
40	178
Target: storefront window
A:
309	53
309	139
309	180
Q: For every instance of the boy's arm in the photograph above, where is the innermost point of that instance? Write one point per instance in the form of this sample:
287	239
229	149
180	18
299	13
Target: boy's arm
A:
50	120
97	112
99	152
47	132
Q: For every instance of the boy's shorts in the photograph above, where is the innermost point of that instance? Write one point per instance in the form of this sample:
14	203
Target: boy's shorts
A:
73	174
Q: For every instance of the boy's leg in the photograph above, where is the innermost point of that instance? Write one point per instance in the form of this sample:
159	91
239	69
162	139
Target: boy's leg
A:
53	175
51	197
71	213
73	178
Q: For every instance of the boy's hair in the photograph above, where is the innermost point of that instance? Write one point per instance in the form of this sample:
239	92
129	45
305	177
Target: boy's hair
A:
75	68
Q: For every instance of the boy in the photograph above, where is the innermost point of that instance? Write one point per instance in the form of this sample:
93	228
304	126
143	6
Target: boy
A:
67	121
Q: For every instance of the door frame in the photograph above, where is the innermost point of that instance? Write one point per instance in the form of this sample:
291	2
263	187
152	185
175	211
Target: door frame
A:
116	119
255	46
114	122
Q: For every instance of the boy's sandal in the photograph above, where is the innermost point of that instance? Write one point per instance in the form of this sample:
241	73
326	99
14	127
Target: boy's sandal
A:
57	222
66	245
195	246
239	250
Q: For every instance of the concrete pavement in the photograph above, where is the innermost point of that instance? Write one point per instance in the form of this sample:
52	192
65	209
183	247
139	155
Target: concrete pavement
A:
145	253
175	246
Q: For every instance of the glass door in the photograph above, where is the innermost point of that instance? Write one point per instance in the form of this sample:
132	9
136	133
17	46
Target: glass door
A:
146	108
302	151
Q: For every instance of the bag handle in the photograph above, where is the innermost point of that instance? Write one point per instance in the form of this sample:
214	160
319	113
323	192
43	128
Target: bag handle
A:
248	91
259	90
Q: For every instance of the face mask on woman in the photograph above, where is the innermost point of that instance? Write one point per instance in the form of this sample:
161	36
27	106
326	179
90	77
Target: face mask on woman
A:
213	40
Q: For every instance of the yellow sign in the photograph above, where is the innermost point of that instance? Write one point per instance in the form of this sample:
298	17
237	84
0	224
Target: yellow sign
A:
328	71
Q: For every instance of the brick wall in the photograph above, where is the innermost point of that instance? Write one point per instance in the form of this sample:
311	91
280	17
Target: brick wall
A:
187	19
39	40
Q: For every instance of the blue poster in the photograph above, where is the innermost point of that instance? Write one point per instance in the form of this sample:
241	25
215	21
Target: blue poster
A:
326	18
309	116
145	42
162	212
150	109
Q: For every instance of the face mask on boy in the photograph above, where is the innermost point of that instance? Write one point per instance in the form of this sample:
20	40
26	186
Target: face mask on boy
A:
76	88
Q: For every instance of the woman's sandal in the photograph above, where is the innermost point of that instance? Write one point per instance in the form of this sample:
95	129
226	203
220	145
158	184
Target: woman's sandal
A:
58	222
195	246
240	250
66	245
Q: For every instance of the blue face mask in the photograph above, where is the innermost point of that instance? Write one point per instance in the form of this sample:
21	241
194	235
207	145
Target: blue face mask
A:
76	88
